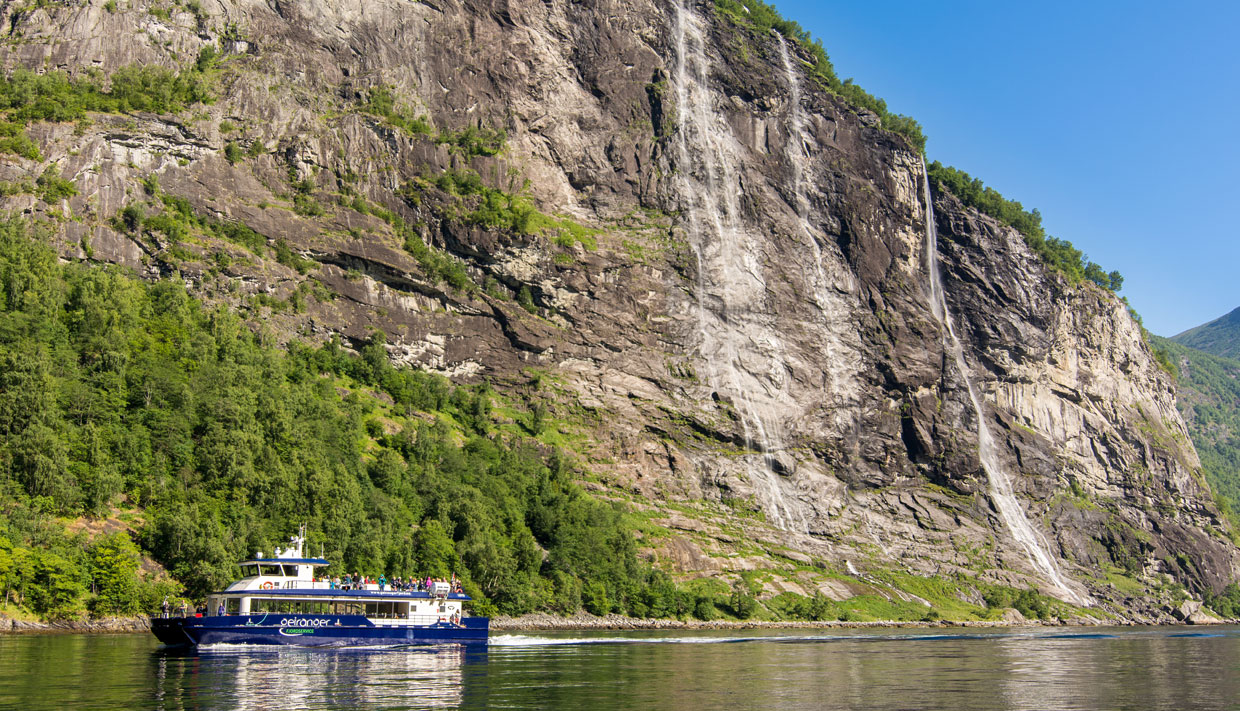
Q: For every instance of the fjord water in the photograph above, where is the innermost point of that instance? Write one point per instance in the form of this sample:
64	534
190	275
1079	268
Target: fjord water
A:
1114	668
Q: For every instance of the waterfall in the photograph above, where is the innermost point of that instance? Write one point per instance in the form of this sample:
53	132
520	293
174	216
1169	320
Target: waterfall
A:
740	347
826	297
999	484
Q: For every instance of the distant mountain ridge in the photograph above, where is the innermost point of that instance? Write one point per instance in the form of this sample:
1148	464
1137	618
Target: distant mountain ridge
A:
1220	337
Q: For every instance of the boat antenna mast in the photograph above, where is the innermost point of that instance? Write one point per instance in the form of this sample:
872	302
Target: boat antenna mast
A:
300	539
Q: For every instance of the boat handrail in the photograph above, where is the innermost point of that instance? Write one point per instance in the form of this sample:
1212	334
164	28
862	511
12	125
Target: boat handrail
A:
324	585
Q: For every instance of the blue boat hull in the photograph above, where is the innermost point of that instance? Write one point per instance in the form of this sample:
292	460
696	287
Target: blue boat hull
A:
312	631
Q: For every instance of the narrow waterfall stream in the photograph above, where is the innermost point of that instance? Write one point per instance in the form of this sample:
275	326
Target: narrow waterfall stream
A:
798	159
739	346
1000	485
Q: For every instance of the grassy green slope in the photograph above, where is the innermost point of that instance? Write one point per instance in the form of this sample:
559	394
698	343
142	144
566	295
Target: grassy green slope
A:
1220	337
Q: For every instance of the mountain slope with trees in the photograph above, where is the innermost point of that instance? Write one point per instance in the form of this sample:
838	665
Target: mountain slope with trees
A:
1209	398
1220	337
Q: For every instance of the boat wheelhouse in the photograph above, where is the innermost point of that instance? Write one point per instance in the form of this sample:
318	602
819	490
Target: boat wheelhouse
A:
279	601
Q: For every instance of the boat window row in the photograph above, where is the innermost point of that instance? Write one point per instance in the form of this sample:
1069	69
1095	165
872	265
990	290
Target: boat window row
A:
252	569
389	610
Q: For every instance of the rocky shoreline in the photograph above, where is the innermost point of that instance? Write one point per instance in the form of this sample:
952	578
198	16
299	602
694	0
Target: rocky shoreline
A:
545	622
105	625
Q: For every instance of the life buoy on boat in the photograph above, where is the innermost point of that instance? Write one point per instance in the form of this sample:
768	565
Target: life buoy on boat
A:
267	585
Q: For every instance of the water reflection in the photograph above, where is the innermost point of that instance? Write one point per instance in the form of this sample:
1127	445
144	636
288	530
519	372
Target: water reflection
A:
246	678
1141	668
1138	669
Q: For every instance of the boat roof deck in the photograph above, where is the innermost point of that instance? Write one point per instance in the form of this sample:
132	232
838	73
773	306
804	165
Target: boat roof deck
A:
337	592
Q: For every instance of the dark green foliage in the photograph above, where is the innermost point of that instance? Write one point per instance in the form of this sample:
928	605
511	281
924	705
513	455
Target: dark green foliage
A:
1209	399
307	206
1226	603
473	141
470	141
208	56
1163	358
114	386
798	607
742	600
381	102
235	232
1220	337
1029	602
176	220
13	140
497	209
288	258
26	97
304	203
437	265
526	300
55	96
233	153
1059	254
131	218
155	89
760	18
53	188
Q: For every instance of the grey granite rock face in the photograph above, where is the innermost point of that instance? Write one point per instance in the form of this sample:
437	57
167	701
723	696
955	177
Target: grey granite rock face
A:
755	325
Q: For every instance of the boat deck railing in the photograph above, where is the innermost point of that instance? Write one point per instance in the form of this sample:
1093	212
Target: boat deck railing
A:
324	585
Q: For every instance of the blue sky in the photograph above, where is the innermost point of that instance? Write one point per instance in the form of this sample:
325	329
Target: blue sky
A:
1120	121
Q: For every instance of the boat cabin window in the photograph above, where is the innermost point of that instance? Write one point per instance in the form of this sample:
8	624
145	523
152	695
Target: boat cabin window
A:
272	570
386	610
290	571
249	570
261	606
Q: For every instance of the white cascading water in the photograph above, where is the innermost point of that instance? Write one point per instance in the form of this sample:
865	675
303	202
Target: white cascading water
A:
798	159
740	348
1000	485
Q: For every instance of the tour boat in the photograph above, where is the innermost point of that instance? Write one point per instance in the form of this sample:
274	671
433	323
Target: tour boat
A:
278	601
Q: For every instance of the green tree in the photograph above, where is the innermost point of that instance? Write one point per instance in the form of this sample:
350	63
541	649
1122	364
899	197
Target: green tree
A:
434	551
742	601
114	563
56	591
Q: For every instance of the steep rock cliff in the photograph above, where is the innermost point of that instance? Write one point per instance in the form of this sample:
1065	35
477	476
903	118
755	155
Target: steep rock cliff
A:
727	291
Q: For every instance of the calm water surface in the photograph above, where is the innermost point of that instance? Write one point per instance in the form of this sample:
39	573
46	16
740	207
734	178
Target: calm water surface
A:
1123	668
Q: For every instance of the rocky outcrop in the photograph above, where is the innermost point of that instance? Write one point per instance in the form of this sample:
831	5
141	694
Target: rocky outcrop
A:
104	625
729	284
